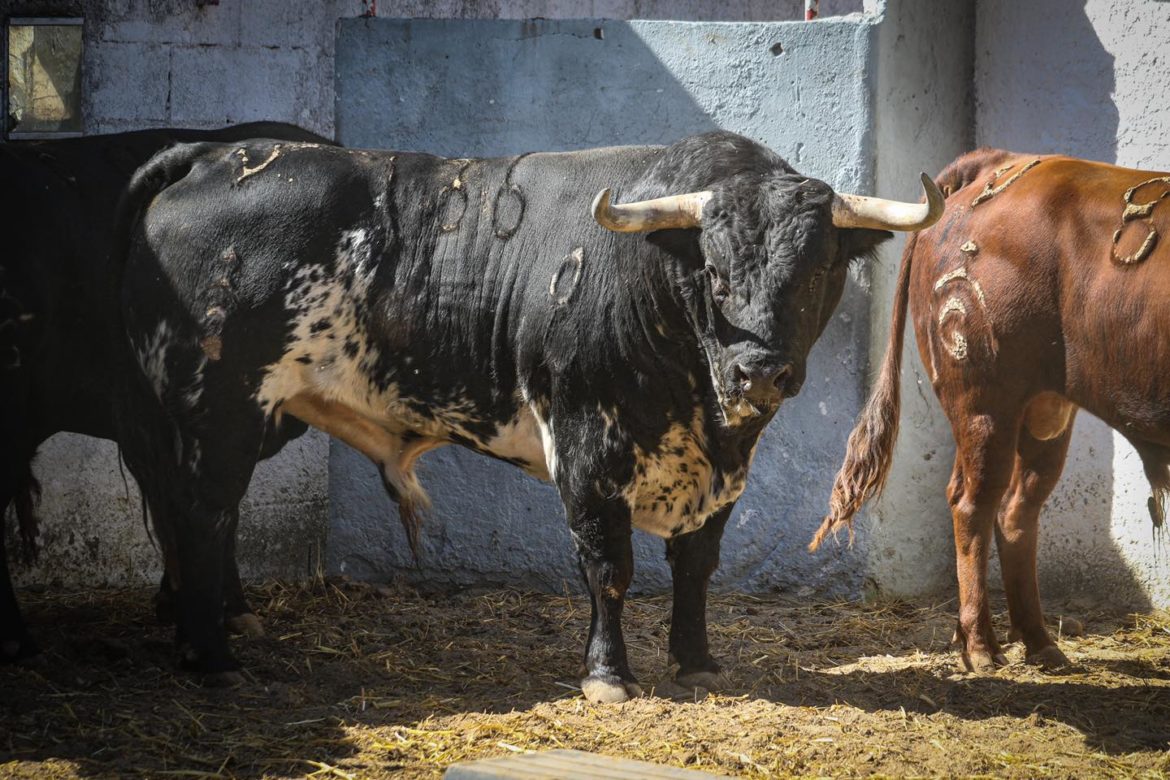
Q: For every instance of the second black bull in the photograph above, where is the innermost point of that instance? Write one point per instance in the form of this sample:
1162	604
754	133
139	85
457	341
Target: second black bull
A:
60	367
402	302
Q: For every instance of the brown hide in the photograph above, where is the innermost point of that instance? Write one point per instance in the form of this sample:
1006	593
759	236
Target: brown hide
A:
1044	288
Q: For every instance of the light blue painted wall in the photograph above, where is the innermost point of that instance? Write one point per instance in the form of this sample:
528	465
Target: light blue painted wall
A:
465	88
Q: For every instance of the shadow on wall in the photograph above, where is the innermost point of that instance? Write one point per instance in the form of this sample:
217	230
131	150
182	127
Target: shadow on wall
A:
516	98
485	88
1045	83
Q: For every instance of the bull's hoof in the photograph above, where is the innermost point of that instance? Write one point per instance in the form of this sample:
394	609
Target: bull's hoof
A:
609	690
214	670
982	662
711	681
17	649
1049	658
245	624
222	679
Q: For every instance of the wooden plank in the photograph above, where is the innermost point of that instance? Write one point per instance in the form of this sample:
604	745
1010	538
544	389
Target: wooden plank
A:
567	765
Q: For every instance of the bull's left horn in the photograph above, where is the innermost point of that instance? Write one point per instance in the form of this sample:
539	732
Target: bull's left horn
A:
673	211
858	211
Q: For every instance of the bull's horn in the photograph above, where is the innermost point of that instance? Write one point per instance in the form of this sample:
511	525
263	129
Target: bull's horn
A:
858	211
673	211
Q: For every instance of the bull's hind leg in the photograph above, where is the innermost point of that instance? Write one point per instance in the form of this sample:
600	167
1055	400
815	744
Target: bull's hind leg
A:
983	465
1040	453
200	632
693	558
219	448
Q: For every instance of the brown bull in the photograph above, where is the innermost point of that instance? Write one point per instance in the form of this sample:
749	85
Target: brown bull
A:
1044	288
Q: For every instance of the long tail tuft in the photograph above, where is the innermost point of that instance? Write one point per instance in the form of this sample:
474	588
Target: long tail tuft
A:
1154	463
871	445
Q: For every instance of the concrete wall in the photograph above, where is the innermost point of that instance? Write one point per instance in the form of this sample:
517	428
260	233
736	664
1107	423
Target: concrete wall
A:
1088	79
804	90
924	118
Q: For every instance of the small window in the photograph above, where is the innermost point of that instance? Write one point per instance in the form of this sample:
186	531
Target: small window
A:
42	85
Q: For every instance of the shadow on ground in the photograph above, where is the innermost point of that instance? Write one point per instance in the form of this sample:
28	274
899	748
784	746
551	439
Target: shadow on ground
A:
367	681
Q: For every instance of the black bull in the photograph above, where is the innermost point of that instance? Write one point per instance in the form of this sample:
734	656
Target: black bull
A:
403	301
59	370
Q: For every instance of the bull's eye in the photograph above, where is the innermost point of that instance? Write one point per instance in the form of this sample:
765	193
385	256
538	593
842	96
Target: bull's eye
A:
816	279
719	288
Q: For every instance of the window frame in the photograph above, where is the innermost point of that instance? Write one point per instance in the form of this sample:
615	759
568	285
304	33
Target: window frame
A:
37	21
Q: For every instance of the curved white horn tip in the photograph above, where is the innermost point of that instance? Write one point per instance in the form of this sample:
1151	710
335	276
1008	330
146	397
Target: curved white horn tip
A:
934	199
600	204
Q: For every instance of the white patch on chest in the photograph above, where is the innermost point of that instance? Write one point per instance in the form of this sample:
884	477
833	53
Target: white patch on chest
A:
676	488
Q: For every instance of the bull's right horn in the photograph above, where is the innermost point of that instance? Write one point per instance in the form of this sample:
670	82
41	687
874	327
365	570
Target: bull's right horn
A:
673	211
859	211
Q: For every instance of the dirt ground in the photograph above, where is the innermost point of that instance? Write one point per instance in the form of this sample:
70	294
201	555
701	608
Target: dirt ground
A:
363	681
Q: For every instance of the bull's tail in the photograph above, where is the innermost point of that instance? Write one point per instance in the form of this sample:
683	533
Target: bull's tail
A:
871	445
1156	463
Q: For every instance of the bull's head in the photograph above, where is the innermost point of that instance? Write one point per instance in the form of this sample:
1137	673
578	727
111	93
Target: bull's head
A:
774	252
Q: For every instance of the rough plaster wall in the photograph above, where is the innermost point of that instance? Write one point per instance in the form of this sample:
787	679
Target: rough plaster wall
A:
686	10
924	118
174	63
91	522
415	84
1088	79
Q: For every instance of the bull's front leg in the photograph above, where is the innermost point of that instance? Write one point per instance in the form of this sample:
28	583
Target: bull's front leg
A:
601	532
693	558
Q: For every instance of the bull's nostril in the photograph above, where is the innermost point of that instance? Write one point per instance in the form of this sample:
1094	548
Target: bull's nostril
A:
743	376
782	375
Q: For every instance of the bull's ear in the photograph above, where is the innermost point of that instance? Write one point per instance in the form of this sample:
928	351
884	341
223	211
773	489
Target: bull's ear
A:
679	243
862	242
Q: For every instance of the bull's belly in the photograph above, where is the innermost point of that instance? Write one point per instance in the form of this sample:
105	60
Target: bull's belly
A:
388	430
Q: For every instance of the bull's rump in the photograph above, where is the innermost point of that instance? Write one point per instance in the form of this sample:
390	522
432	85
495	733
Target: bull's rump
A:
1032	283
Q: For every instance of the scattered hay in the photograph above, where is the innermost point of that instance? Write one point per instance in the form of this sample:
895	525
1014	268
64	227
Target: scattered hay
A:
374	681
